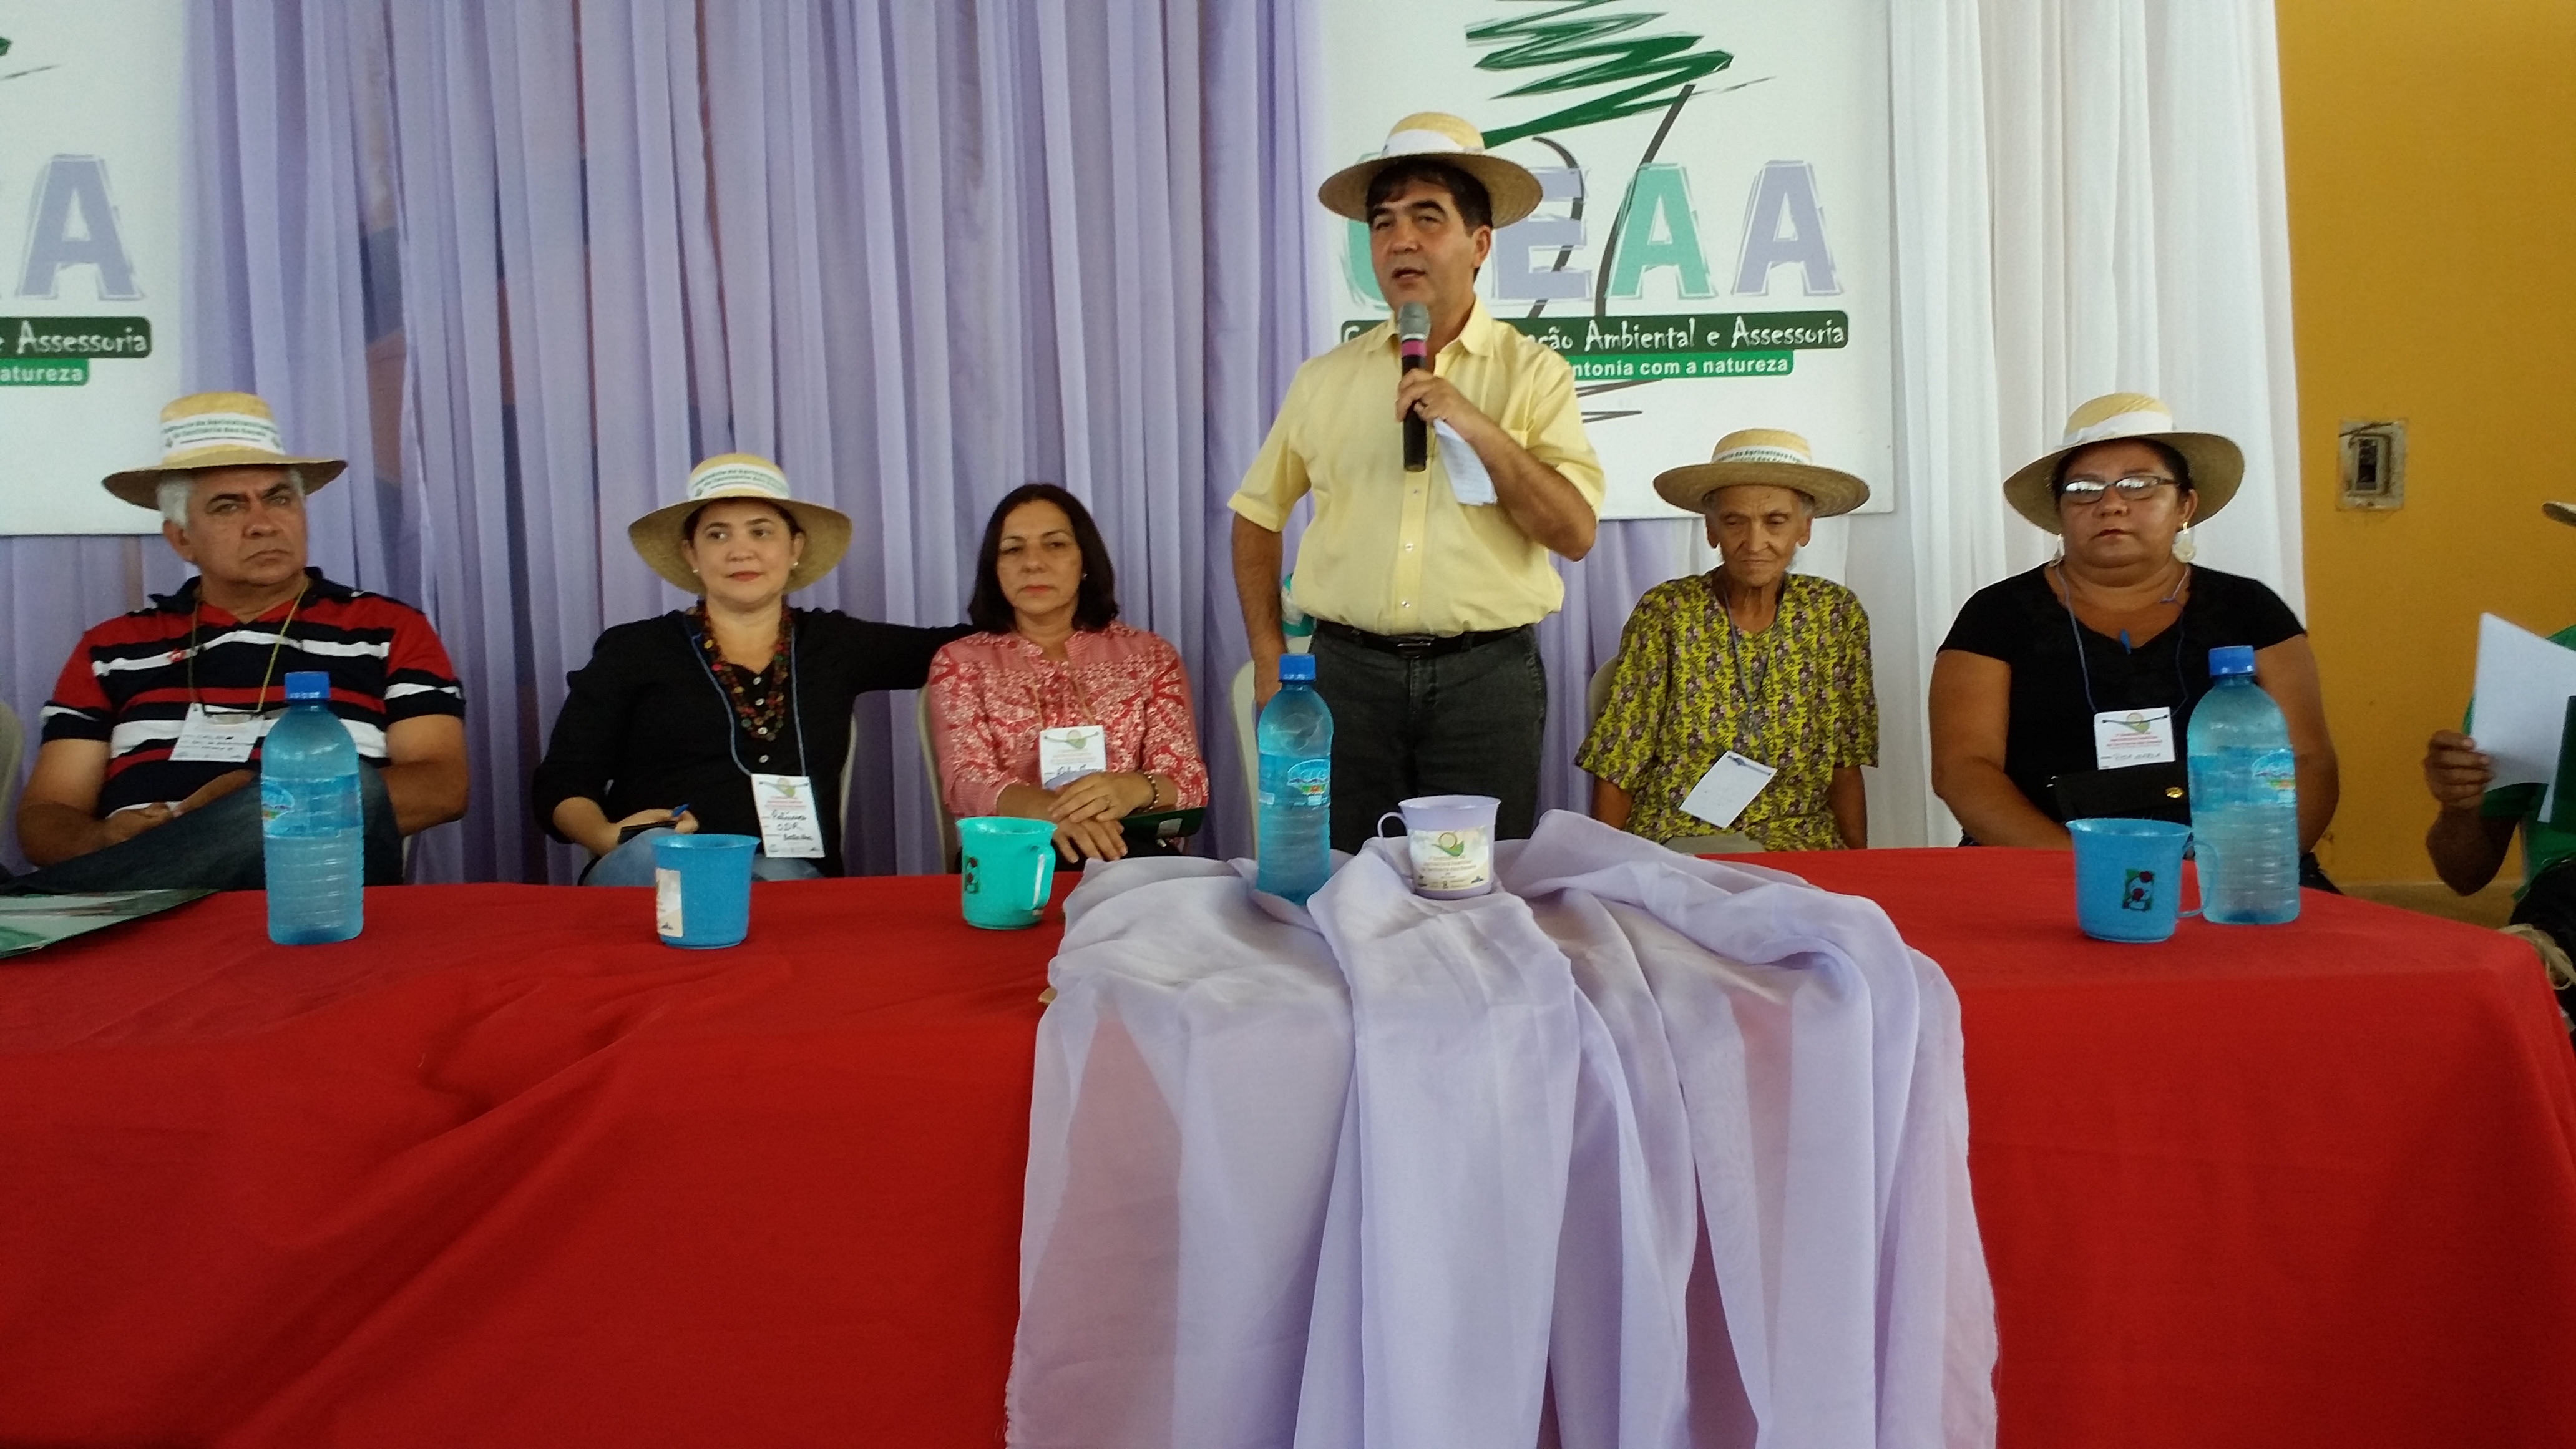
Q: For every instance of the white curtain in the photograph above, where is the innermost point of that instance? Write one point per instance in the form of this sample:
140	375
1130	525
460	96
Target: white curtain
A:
2089	199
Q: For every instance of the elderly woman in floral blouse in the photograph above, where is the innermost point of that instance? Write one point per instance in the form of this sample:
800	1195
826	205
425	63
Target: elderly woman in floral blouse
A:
1744	671
1056	710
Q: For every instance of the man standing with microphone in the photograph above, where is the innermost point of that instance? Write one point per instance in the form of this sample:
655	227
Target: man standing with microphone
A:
1440	490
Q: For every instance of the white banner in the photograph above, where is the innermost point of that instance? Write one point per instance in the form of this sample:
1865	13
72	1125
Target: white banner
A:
1713	252
89	254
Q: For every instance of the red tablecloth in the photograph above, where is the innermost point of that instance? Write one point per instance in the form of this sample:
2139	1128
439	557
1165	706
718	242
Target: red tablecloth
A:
507	1171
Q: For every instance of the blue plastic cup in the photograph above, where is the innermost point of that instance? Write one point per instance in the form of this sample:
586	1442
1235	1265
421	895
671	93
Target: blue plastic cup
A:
702	889
2128	878
1010	867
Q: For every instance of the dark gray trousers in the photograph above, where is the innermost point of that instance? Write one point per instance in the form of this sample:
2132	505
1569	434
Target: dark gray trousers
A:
1467	723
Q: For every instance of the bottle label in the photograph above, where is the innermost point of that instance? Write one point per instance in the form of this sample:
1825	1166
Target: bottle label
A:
2276	772
1308	783
276	801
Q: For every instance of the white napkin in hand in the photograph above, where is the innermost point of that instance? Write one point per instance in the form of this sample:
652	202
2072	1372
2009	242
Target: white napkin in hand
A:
1469	483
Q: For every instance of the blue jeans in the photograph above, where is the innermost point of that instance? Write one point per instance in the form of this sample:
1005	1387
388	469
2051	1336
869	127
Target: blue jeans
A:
631	864
216	847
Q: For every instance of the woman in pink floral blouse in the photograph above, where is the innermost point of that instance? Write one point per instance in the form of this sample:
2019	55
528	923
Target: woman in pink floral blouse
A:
1055	710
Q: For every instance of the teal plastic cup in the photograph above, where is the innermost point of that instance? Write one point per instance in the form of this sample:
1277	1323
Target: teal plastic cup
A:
702	889
1010	866
2128	878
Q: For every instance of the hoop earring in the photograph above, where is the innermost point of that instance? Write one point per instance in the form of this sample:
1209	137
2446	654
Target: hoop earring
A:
2185	547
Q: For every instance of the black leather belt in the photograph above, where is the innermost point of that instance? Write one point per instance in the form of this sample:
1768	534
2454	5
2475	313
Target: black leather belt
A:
1415	646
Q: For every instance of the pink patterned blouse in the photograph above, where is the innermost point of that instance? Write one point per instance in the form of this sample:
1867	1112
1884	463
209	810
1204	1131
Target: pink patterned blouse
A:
990	694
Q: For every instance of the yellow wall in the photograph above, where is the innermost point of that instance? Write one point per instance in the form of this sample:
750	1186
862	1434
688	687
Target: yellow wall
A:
2432	186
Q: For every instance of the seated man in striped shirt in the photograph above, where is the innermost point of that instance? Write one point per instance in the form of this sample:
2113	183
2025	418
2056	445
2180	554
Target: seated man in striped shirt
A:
155	724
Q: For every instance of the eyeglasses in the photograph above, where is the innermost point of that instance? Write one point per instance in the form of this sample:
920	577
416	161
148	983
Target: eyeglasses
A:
2085	492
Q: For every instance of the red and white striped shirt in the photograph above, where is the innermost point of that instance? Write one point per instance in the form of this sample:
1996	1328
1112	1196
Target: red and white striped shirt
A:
130	682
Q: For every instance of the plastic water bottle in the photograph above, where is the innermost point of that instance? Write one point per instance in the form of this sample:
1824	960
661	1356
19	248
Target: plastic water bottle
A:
313	825
1294	844
2244	798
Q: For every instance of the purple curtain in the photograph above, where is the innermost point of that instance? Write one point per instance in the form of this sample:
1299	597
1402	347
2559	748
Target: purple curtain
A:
523	263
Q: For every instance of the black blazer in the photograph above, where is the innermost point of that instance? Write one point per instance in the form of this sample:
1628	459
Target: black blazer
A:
646	727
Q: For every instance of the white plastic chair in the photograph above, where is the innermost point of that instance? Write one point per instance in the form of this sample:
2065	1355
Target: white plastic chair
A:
930	771
13	752
1247	742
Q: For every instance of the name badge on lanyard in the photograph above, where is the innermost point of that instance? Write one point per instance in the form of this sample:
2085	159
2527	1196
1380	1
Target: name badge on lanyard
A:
1068	753
2132	737
222	740
1730	785
791	821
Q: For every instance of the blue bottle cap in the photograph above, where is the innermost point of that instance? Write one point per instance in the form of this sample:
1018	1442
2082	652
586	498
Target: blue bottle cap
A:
2231	659
307	684
1296	666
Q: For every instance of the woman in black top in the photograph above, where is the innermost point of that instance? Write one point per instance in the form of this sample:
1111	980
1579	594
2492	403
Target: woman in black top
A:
692	720
2048	688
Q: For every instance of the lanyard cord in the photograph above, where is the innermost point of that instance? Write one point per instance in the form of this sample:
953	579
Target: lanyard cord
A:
1081	697
733	726
259	702
2075	633
1735	657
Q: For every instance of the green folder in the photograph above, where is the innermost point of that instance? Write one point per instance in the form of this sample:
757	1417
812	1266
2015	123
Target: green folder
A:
31	923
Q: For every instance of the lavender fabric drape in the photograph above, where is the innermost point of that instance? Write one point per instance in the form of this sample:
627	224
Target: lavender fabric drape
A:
1678	1146
523	263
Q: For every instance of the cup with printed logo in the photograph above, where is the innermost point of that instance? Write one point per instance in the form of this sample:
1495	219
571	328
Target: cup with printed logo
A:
1009	866
702	889
1450	840
2128	878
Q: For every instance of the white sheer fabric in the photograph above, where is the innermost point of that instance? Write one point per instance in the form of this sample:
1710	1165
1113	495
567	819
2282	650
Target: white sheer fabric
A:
1644	1150
2089	199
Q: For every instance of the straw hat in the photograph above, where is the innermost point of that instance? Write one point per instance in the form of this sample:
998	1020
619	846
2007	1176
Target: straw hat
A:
217	430
2216	464
656	535
1765	456
1431	135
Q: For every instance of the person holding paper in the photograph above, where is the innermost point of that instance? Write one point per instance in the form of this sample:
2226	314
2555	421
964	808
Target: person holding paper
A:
1424	585
157	720
2066	691
733	714
2476	823
1056	710
1742	698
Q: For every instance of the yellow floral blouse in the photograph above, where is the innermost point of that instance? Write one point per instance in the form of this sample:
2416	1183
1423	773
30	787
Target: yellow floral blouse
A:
1804	704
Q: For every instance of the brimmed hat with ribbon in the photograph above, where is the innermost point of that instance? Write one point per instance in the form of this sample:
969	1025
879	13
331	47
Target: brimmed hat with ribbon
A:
1434	136
1767	457
656	535
217	430
2217	465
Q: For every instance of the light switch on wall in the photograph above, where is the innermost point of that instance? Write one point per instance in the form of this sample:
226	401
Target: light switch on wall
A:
2374	463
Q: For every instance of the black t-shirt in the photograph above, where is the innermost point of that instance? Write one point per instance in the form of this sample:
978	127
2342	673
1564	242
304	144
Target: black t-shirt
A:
2021	622
645	727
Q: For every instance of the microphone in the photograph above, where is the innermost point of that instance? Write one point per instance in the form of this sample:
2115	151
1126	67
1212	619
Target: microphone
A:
1413	338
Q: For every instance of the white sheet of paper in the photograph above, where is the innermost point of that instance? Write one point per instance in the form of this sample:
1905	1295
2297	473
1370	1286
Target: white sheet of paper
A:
2523	685
1069	752
225	739
1729	786
791	823
2122	738
1469	483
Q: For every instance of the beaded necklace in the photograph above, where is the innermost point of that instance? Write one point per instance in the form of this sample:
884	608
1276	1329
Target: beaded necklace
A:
758	697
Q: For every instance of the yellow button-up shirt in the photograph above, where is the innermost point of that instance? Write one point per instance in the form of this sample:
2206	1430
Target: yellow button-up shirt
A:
1395	552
